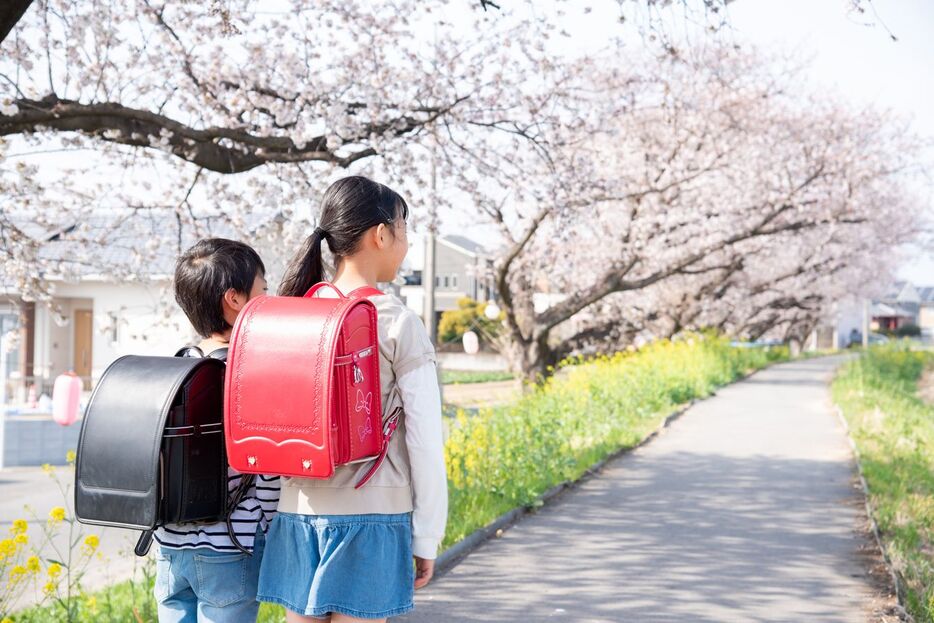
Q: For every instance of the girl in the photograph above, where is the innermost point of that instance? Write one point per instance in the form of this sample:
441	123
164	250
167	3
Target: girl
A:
336	553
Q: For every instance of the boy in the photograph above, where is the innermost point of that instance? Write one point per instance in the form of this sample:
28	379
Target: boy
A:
201	575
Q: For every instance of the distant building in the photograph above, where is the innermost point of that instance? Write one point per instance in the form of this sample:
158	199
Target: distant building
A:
900	306
120	303
462	268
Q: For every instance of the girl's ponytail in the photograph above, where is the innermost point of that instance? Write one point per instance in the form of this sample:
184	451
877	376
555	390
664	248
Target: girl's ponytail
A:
350	207
306	268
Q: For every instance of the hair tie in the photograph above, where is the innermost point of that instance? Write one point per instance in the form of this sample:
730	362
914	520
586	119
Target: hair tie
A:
321	233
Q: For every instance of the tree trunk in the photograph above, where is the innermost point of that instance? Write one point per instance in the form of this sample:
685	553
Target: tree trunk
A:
530	359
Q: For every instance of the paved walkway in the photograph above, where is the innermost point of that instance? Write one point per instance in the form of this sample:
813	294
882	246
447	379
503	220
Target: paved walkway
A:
473	395
744	510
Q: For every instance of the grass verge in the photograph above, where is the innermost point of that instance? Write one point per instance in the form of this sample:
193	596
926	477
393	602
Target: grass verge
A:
893	428
460	377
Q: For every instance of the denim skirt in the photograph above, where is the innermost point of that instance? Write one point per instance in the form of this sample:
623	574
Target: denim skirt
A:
358	565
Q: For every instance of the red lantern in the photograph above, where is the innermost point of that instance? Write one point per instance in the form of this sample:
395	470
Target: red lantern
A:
66	393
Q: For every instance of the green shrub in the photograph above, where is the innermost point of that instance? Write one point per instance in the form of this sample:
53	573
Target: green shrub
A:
908	330
468	316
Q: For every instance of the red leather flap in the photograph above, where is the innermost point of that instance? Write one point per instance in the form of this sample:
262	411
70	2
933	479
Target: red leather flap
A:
280	384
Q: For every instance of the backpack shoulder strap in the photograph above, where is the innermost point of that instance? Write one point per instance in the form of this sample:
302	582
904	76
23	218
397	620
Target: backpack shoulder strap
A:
189	351
365	291
219	353
194	351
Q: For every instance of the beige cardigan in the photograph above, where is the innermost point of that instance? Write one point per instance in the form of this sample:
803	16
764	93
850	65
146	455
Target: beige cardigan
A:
404	346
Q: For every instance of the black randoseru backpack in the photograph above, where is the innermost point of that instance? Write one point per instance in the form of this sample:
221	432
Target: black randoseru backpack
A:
151	449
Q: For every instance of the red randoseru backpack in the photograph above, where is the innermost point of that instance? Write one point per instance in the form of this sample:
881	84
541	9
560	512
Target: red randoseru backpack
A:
302	391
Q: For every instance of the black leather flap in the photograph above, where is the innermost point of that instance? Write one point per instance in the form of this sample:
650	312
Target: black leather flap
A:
117	471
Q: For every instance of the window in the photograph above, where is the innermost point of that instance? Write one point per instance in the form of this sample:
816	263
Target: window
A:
454	281
437	281
446	282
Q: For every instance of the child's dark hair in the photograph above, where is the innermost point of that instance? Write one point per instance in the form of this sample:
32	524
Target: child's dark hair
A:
205	272
350	207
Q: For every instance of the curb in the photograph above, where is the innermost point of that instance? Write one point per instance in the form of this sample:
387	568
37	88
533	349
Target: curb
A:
896	579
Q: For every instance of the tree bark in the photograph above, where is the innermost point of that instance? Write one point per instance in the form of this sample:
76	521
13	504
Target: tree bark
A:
220	149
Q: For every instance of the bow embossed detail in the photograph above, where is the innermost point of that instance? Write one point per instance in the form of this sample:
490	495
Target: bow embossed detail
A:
364	404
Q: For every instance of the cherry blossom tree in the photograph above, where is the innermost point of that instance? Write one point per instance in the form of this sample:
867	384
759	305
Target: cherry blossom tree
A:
145	106
637	191
696	174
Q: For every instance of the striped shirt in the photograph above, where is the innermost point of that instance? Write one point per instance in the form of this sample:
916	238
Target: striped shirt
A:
256	509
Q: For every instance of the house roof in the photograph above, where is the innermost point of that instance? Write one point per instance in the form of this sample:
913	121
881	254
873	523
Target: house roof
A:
892	293
465	243
415	258
126	243
902	292
887	310
926	294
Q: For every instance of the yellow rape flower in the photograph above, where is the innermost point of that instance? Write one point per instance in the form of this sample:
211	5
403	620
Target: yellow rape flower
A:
54	570
91	542
7	620
92	603
48	469
70	456
32	564
49	587
57	514
21	539
7	548
19	526
17	573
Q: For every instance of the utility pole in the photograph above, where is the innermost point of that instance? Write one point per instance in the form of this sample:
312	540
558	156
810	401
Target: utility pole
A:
428	274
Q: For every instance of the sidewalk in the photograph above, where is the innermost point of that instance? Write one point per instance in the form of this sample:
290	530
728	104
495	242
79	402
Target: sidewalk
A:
745	510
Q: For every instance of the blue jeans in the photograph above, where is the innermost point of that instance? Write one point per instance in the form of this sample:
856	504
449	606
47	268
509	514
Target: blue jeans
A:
204	586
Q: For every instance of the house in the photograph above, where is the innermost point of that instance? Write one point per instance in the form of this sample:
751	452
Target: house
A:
463	267
98	311
110	300
900	306
904	304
